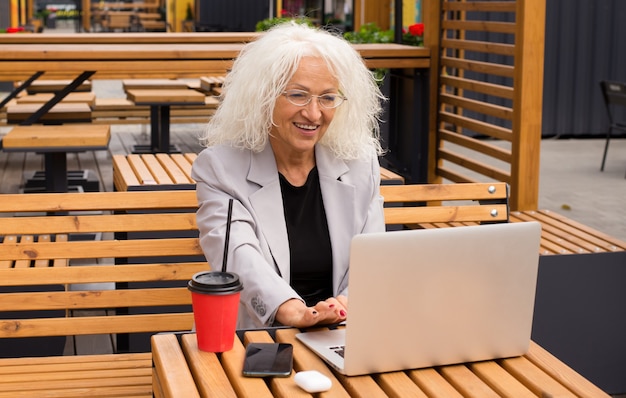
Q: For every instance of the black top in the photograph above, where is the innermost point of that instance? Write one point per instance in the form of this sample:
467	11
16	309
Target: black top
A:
309	240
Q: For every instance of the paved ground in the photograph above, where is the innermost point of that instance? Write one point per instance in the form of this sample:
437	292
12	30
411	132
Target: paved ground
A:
571	182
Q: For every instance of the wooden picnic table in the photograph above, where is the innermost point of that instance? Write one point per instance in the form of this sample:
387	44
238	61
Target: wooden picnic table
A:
181	370
130	37
131	60
55	142
80	62
160	100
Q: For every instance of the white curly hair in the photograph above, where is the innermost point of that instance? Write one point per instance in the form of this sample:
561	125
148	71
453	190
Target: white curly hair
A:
260	74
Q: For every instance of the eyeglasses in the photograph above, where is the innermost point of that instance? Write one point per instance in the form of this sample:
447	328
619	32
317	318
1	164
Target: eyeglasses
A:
302	98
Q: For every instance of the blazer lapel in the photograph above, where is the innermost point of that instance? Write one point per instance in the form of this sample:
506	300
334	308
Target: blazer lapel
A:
339	199
271	218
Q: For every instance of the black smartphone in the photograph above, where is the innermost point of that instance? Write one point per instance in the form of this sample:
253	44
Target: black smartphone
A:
268	359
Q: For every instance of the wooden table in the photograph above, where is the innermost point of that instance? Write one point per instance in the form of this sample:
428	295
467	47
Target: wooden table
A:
131	37
55	142
181	370
160	101
408	104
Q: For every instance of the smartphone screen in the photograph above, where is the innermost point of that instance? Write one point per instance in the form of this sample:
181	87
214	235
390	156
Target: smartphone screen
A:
268	359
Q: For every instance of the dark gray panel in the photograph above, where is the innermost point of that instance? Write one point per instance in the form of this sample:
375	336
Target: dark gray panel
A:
584	44
232	15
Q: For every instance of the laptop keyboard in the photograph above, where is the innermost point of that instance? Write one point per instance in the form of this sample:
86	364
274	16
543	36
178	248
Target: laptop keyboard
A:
340	350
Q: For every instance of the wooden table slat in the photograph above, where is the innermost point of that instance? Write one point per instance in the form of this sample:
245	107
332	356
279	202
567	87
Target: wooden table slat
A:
208	373
305	359
232	362
562	373
500	380
534	378
433	384
170	360
283	387
465	381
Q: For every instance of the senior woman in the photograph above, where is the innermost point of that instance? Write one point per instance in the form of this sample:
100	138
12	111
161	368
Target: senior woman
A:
295	144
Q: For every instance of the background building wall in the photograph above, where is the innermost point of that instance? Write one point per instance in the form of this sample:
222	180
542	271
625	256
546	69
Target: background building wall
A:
584	45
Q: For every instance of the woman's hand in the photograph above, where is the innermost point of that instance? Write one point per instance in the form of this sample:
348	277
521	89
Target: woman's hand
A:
295	313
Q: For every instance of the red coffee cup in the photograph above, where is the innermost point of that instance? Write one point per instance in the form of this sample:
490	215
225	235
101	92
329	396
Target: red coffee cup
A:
215	301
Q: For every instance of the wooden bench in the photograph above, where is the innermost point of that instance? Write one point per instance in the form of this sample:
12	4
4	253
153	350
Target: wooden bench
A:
38	252
159	171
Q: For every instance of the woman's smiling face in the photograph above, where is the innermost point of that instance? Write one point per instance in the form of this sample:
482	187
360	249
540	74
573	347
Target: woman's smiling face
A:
299	128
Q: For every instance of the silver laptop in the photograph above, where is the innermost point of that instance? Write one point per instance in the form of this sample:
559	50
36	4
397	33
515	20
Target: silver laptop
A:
430	297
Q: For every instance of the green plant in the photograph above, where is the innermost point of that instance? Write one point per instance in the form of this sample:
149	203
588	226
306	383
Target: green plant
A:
267	23
369	33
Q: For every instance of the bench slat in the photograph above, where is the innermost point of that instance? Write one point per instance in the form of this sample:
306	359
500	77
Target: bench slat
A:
444	192
92	299
83	325
103	249
425	214
69	383
142	391
141	170
9	366
177	176
98	273
99	223
156	170
123	174
101	201
185	162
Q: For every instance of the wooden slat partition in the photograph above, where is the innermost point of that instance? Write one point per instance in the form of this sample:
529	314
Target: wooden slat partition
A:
487	63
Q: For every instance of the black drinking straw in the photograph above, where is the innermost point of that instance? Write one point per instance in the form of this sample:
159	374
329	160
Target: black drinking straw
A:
230	216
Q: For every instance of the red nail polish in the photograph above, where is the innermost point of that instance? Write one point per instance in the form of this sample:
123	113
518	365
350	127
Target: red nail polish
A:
342	313
331	306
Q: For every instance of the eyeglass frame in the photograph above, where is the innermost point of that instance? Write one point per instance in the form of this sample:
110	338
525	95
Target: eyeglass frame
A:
310	97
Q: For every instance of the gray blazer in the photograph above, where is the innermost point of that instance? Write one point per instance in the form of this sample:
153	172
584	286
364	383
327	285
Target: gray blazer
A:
259	247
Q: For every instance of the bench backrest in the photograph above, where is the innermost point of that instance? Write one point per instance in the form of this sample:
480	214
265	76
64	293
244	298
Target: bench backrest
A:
148	238
428	205
153	231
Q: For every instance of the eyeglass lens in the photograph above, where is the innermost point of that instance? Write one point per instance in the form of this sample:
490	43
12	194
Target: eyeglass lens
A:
302	98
